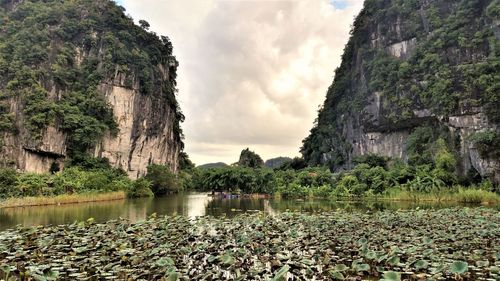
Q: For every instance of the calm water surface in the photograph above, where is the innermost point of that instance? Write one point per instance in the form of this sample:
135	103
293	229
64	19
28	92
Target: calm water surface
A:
188	204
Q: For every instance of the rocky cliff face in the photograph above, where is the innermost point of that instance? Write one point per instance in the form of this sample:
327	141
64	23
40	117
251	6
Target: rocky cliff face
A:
79	79
411	64
146	132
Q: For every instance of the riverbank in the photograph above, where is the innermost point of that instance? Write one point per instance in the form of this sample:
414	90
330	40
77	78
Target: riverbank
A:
395	245
461	195
62	199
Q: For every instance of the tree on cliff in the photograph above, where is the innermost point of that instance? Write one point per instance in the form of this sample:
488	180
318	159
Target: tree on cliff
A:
250	159
184	162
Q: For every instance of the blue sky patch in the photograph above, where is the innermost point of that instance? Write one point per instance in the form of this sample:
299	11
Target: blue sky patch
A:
339	4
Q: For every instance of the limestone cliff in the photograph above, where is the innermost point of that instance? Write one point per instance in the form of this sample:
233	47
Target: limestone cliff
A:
79	79
411	64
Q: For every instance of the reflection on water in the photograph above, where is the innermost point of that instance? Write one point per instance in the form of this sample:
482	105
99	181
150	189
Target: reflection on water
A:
189	204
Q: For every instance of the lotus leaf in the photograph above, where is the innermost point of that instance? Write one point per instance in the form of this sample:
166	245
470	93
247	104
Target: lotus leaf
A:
421	264
341	267
392	276
458	267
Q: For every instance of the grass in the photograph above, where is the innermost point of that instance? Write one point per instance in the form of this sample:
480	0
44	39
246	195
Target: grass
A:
62	199
450	195
462	195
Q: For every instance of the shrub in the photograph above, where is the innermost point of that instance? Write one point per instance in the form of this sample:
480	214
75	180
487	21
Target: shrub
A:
140	188
70	180
96	181
346	185
8	178
294	190
323	191
162	180
487	143
400	173
34	184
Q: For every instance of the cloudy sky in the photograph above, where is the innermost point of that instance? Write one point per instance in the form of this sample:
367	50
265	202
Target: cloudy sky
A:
252	72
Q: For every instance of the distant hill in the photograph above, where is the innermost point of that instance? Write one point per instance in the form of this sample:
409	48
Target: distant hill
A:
213	165
276	162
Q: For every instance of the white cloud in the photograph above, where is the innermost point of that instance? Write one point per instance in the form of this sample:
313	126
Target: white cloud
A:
252	73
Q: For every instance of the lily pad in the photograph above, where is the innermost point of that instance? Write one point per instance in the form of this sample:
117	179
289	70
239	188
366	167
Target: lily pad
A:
459	267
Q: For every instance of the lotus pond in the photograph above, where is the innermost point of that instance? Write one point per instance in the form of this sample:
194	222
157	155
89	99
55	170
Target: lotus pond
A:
416	244
187	204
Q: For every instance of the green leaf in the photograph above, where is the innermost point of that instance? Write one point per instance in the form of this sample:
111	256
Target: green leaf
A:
280	275
362	241
337	275
371	255
5	269
163	262
394	260
438	269
80	250
211	259
421	264
427	240
341	267
227	259
52	275
392	276
459	267
362	267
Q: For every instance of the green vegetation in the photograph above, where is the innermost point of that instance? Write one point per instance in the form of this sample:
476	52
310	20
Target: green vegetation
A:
93	177
429	175
163	181
233	179
446	244
63	199
69	181
56	56
399	182
452	66
488	143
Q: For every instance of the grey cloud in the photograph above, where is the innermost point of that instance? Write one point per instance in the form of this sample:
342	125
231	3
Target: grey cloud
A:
252	73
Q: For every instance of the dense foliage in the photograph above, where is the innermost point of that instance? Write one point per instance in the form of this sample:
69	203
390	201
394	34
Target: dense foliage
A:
71	180
397	180
447	244
429	174
488	143
90	177
55	56
452	67
162	180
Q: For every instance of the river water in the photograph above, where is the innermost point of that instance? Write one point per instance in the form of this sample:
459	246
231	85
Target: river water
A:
186	204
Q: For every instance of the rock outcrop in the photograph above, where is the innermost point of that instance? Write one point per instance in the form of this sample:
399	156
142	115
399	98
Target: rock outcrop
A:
410	64
136	146
79	79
